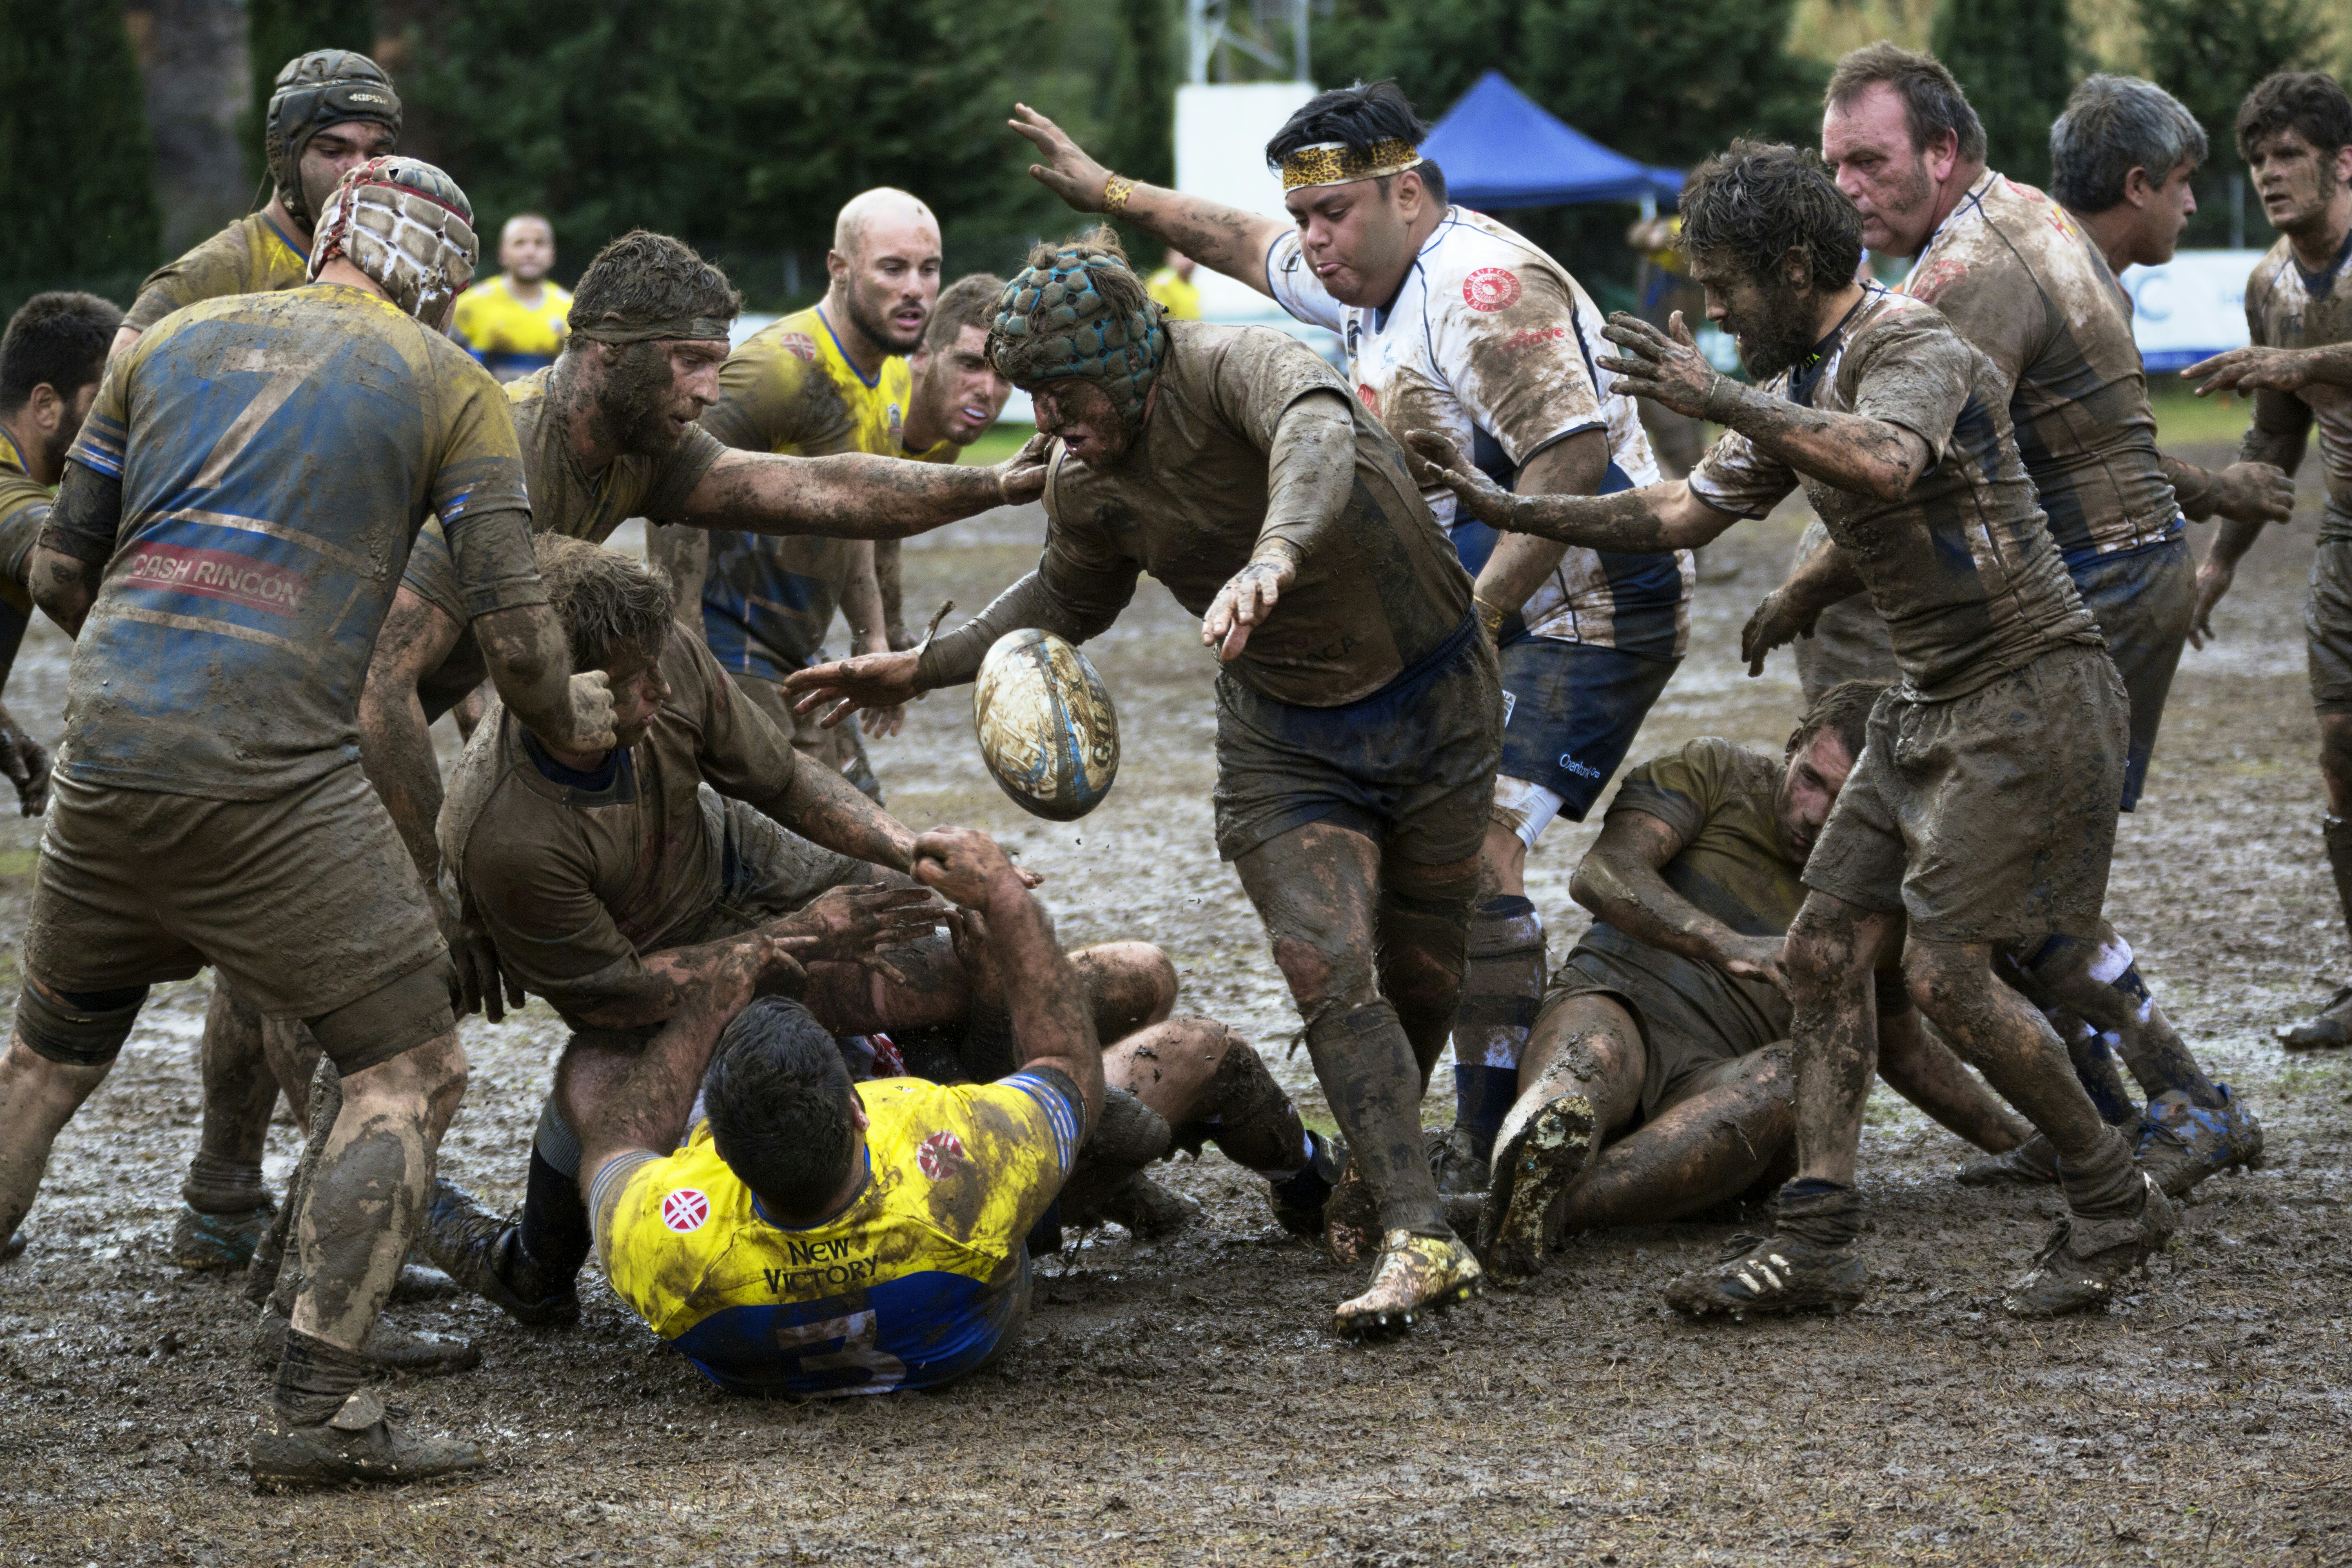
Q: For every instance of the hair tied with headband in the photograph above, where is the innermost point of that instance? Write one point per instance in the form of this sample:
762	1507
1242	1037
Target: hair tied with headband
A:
408	226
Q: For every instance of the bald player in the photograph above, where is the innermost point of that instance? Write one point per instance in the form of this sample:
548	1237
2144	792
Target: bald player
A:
330	111
514	324
829	379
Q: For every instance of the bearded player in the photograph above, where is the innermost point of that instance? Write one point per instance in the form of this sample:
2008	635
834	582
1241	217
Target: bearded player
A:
1358	710
1454	323
1940	841
2020	280
330	111
2294	130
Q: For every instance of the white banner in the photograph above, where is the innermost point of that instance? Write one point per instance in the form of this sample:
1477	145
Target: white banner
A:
2192	307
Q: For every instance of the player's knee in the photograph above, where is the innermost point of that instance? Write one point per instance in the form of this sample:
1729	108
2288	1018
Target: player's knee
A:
1131	982
1321	977
77	1028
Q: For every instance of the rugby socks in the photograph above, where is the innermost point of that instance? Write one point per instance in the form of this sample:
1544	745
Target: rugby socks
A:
2106	1185
2113	996
1502	987
1373	1083
217	1185
2094	1066
1308	1187
1826	1214
314	1378
554	1239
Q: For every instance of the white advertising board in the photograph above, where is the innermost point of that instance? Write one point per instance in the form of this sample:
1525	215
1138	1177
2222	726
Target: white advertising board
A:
2192	307
1222	130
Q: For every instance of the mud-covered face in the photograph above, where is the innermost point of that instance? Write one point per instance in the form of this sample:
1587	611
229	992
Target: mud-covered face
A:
1774	322
652	393
2296	181
1357	238
1867	145
336	152
638	692
1816	771
527	249
957	390
892	283
1082	414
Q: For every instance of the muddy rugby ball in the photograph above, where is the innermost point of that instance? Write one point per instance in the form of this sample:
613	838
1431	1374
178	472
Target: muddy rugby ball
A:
1046	728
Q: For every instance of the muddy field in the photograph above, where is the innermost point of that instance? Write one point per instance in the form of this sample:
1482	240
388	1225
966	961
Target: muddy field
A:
1183	1403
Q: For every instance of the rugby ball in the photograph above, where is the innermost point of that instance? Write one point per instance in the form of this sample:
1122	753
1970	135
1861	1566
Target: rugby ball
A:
1046	728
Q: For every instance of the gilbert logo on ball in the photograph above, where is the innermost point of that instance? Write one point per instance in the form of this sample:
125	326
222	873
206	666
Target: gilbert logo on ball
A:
1046	728
685	1210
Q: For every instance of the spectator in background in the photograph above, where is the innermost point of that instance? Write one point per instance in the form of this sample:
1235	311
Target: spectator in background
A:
514	324
1174	286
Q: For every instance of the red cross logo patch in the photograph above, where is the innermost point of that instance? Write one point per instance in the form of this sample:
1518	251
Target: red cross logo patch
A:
942	1155
685	1210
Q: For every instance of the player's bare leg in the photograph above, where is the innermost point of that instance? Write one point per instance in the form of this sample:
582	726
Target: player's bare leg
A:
2331	1027
226	1211
1321	891
1581	1078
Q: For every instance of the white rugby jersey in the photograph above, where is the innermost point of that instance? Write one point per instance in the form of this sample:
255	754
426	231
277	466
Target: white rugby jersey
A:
1490	341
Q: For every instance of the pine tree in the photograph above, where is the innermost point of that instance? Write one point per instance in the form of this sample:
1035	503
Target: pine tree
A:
2015	60
2208	53
281	29
76	162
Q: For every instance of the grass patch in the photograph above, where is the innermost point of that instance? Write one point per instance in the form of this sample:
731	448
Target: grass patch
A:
2183	418
997	443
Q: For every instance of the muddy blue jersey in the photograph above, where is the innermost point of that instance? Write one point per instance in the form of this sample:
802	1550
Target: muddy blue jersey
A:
277	454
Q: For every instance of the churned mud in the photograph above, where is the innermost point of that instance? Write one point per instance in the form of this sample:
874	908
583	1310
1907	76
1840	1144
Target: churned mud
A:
1183	1403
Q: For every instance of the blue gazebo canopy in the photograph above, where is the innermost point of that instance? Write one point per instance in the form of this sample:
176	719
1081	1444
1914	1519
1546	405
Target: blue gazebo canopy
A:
1499	148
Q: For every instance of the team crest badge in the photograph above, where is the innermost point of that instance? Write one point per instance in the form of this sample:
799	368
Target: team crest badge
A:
800	345
1491	288
942	1155
685	1210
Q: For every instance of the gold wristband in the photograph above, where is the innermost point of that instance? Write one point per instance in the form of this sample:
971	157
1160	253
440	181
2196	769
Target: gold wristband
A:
1116	190
1491	617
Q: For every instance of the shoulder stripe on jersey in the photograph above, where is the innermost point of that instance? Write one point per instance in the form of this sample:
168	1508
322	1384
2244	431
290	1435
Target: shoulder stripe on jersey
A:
1062	1113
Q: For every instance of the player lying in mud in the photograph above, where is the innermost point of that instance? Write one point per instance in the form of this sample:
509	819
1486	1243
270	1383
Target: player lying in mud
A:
812	1237
1658	1079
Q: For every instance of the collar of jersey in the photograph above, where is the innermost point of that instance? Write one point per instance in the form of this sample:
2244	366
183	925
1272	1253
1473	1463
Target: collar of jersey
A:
834	1219
13	456
2320	285
292	250
844	353
1379	313
1973	197
1806	372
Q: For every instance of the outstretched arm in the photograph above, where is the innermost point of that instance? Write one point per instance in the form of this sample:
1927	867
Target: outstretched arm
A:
853	496
1656	517
1226	239
1620	881
1310	473
2260	369
1520	563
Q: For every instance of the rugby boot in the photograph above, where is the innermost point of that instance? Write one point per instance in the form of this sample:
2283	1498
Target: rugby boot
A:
1352	1217
1148	1210
1776	1273
13	1248
2181	1144
1298	1200
358	1443
1534	1160
2077	1268
482	1251
2031	1163
201	1241
1415	1276
391	1349
422	1282
2329	1030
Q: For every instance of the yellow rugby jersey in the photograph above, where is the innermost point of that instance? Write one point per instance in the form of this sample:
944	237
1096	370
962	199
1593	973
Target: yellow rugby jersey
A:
1180	297
767	602
508	337
24	507
251	255
911	1285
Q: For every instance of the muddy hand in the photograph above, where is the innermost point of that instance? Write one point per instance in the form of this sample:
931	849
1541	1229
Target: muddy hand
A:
592	712
2252	492
963	864
1247	598
480	983
1021	478
2253	369
2214	579
1067	172
1758	958
881	724
1436	460
1774	624
27	763
1666	367
849	923
844	686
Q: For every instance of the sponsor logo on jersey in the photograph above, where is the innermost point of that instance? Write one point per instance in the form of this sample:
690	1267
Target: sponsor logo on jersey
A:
800	345
942	1155
685	1210
1491	288
1935	277
217	575
1527	338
